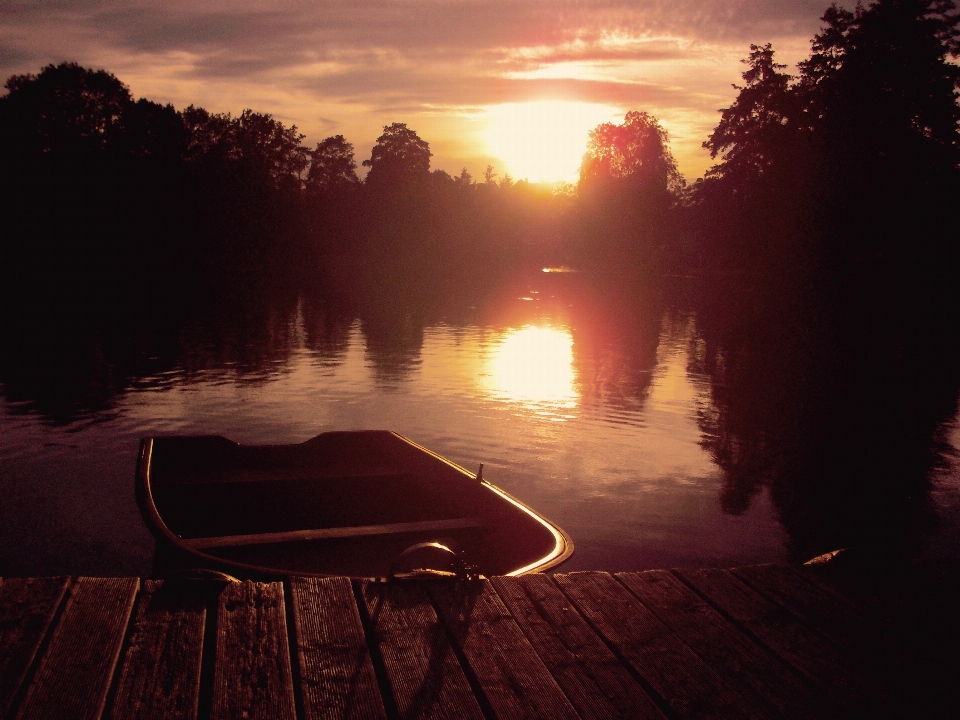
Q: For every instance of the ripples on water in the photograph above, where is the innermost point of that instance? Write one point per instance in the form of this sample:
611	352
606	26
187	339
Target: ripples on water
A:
590	419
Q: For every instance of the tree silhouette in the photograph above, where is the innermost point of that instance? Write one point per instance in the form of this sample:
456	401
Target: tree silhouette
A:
263	144
830	334
399	159
754	131
332	167
636	151
628	184
65	111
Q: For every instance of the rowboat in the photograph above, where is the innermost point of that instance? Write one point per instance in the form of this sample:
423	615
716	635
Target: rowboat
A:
365	504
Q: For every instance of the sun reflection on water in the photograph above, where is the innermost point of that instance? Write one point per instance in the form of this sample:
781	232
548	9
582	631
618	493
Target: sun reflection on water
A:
533	366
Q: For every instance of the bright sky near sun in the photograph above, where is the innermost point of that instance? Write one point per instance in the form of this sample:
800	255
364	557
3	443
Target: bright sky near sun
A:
516	84
544	141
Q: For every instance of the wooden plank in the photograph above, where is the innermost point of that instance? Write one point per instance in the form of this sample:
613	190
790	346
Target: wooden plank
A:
818	609
74	675
27	607
876	645
425	677
734	655
514	681
596	683
333	533
825	577
252	676
683	680
820	661
915	604
337	679
161	667
923	670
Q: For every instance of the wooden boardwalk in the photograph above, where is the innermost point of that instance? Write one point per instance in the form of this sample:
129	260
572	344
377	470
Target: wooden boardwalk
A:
754	642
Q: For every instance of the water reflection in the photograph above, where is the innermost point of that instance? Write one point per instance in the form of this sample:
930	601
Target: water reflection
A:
534	366
652	433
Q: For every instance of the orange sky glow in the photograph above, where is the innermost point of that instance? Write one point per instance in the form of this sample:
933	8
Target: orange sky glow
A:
516	84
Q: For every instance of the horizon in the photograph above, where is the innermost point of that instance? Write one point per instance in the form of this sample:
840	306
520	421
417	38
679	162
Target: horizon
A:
514	85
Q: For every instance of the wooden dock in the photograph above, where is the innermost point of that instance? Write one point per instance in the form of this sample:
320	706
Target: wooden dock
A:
754	642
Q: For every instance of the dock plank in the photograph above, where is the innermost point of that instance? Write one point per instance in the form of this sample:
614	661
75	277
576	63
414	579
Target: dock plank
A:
919	664
161	667
513	679
734	655
252	674
818	660
753	642
336	674
690	687
74	676
597	684
27	607
817	608
425	676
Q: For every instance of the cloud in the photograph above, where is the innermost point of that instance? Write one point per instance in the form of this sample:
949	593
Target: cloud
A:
356	63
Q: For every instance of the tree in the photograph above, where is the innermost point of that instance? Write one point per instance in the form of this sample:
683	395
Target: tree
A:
154	132
399	159
264	144
210	135
636	152
332	167
464	180
889	60
753	131
65	111
882	93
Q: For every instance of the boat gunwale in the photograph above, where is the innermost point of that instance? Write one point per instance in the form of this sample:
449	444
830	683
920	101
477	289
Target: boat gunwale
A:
562	549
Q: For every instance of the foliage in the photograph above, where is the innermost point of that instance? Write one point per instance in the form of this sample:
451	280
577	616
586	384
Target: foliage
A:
628	188
399	159
65	111
860	149
764	114
827	250
636	151
332	167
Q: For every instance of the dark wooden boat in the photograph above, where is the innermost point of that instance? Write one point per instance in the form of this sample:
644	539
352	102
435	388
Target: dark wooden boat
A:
360	504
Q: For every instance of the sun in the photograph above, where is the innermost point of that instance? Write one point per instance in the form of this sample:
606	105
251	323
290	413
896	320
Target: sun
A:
544	141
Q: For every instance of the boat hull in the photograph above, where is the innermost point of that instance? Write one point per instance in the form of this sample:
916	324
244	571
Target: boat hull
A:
342	503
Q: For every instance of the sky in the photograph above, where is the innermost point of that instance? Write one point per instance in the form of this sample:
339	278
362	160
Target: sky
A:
516	84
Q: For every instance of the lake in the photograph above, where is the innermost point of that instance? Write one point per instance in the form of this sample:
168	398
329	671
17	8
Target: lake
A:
594	407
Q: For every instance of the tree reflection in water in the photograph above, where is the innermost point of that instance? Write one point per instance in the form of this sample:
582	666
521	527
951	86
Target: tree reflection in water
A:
840	414
841	411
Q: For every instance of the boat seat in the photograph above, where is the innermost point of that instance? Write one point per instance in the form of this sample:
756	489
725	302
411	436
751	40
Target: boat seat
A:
202	543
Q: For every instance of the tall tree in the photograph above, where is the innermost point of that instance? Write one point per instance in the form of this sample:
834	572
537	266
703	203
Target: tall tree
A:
332	167
891	61
755	130
628	184
399	159
636	151
265	144
66	110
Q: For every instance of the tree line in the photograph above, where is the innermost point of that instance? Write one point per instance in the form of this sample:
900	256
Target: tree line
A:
104	195
821	244
825	238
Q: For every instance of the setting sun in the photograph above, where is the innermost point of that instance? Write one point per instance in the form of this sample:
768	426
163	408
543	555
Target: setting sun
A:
544	141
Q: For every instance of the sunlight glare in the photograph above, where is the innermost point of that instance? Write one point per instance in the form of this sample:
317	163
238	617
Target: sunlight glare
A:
535	365
544	141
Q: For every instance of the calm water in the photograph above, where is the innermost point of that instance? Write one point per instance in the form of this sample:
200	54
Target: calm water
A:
590	410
